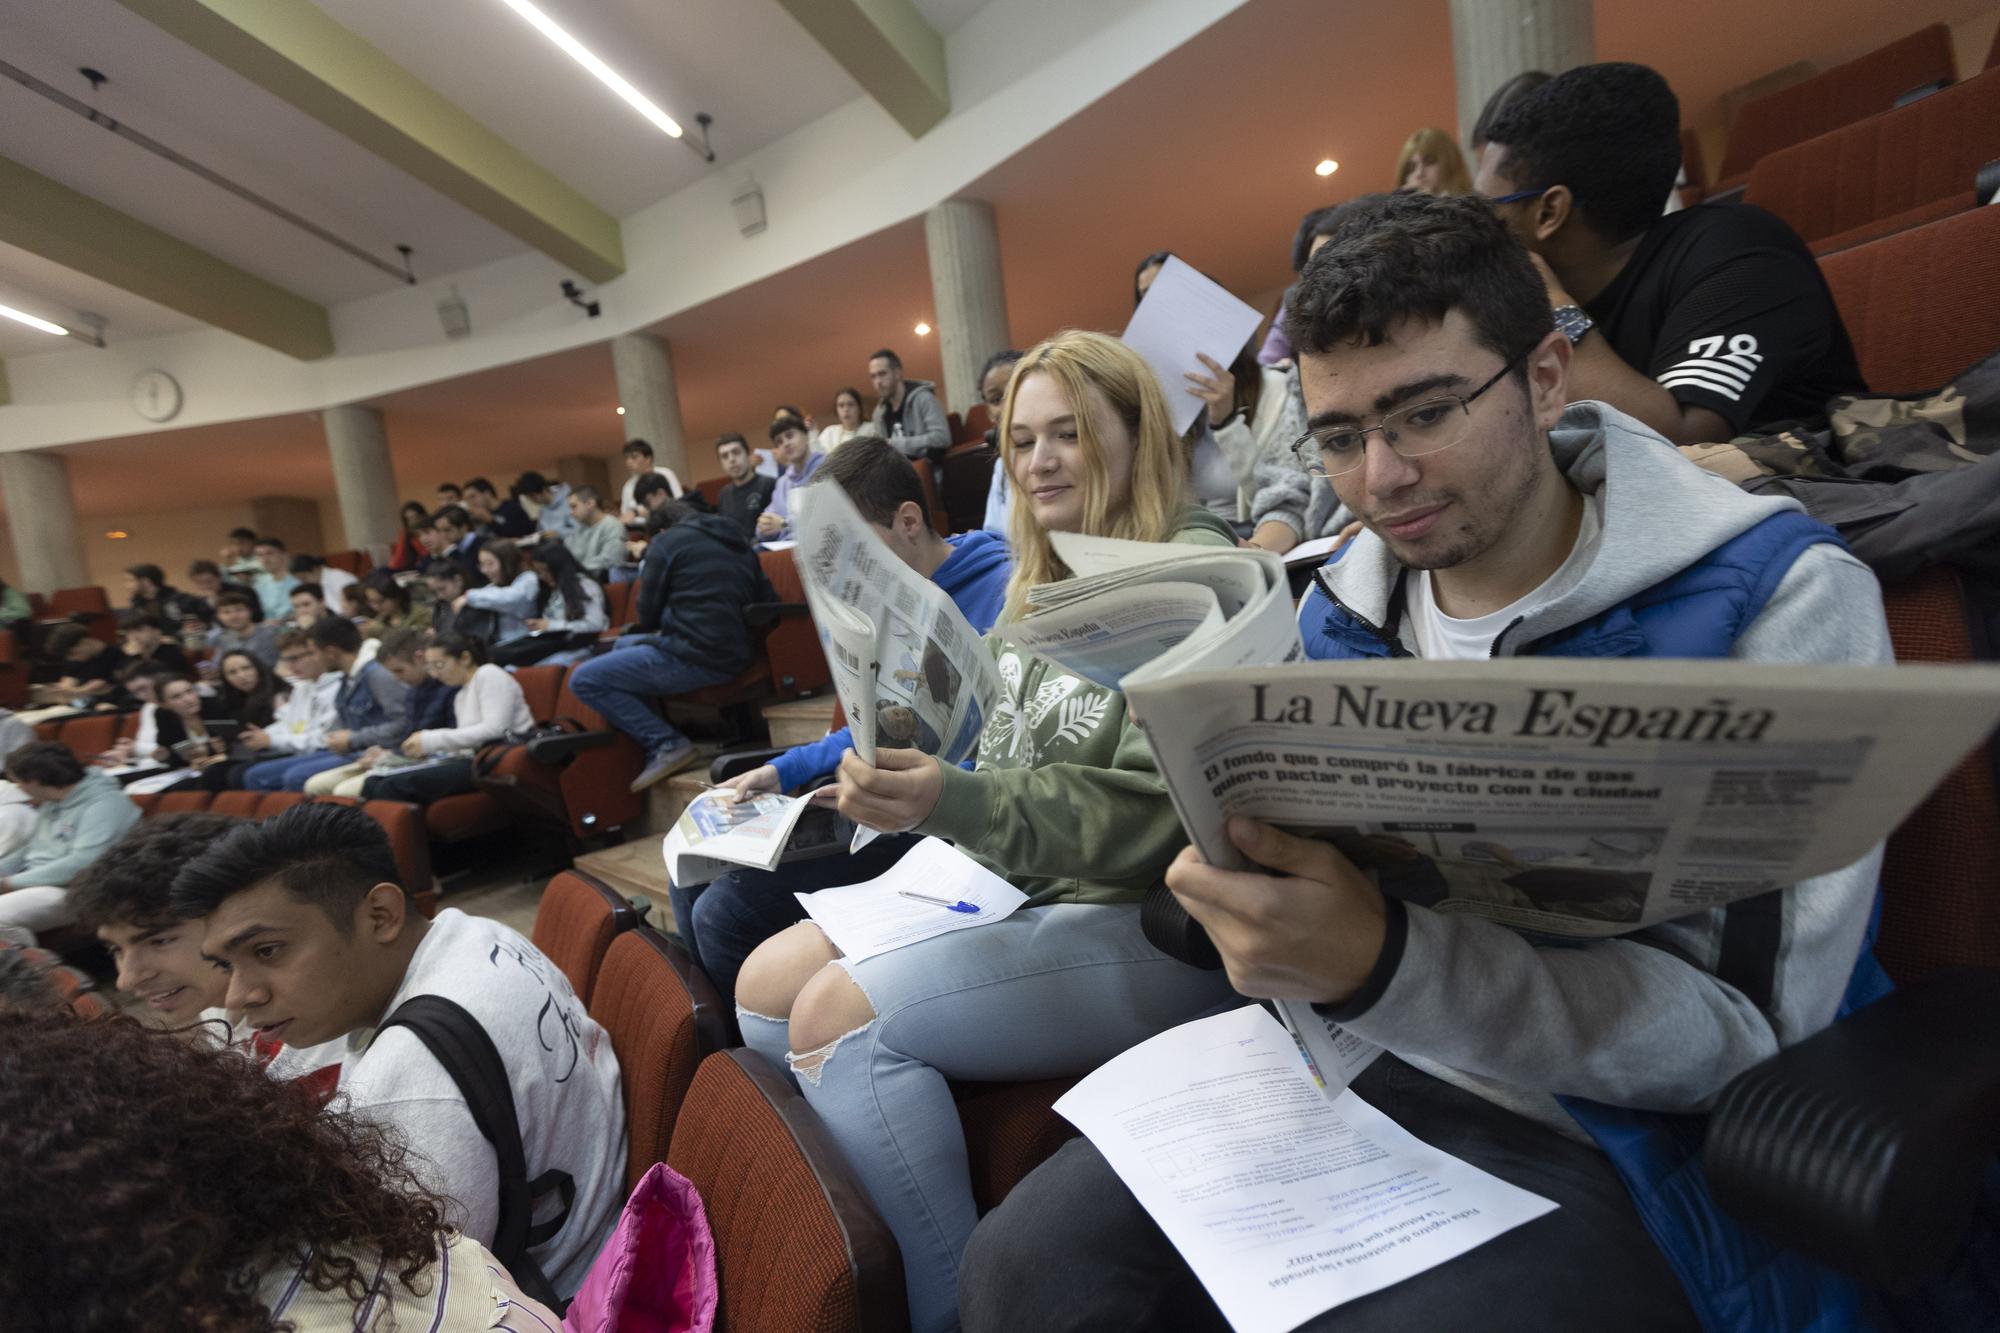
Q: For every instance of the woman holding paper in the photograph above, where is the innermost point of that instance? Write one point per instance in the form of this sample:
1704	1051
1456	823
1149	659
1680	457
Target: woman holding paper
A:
1065	803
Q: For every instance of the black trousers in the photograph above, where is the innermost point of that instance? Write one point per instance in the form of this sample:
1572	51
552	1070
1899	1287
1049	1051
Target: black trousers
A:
425	785
1071	1249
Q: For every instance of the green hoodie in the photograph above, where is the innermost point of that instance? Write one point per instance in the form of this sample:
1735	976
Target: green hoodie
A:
1065	802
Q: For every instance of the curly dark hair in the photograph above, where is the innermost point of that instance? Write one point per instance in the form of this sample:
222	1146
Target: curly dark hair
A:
1610	132
1399	256
146	1174
127	884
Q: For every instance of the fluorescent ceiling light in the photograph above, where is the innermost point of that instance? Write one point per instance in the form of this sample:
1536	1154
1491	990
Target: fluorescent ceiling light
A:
22	316
1327	166
583	56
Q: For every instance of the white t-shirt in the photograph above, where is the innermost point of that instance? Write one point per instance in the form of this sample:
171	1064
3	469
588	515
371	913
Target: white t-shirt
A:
1440	636
334	583
564	1076
626	504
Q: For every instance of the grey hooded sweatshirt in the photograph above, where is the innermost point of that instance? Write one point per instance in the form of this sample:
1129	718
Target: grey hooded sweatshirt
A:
925	429
1640	1020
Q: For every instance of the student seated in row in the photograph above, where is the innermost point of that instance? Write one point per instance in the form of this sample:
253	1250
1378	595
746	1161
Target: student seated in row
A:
402	656
306	713
724	920
390	607
267	1212
237	628
306	914
79	811
511	592
1065	803
595	538
369	702
487	707
77	668
308	606
1502	519
569	611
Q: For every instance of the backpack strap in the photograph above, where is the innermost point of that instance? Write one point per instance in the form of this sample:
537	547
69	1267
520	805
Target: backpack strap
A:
465	1051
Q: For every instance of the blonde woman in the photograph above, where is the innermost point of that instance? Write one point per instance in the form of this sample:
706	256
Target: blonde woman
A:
1065	803
1431	162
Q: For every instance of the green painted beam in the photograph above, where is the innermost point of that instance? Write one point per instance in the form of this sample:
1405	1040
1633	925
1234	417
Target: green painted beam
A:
47	218
295	52
888	48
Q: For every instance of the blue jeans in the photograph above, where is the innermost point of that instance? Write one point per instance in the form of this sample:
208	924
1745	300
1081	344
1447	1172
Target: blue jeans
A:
619	683
1050	992
289	772
722	921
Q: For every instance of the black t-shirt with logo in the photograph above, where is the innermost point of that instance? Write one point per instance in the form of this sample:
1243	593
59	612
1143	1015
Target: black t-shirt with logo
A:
1725	306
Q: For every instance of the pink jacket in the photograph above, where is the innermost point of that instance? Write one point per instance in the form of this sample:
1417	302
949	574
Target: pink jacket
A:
656	1274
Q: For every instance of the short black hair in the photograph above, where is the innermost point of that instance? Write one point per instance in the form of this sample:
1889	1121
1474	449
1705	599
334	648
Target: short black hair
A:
483	486
335	632
1302	239
305	562
454	515
451	486
141	620
401	645
637	447
51	763
588	494
442	568
783	422
459	645
530	483
275	543
63	638
649	484
1156	259
242	535
1610	132
318	591
236	597
877	478
731	437
200	567
998	359
1411	255
128	882
884	354
153	574
325	854
1525	82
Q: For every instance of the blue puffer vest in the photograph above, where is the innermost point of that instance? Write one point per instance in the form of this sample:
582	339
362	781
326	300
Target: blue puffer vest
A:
1736	1279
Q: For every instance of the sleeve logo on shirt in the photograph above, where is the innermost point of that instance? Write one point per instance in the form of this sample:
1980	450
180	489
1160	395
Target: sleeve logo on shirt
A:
1709	366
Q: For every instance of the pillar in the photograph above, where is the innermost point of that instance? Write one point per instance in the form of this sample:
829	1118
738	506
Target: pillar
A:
364	477
966	287
1493	40
645	370
292	519
41	518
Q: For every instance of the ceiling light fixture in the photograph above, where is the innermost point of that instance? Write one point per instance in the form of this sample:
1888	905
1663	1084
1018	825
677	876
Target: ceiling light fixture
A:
587	58
1327	166
32	321
116	535
923	329
621	411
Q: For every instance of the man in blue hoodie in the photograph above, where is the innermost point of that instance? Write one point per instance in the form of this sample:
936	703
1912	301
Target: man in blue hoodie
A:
79	811
1501	520
723	921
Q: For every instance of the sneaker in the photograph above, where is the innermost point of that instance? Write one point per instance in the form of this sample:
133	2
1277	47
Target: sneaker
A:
664	763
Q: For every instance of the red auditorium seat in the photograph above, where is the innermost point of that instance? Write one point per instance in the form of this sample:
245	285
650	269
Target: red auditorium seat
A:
586	791
276	802
1833	98
476	813
79	602
711	488
1887	173
1888	293
242	804
928	476
620	601
184	802
89	735
790	663
575	922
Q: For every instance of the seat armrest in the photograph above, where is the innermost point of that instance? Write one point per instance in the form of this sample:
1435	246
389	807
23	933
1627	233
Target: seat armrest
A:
763	615
559	750
738	762
1866	1145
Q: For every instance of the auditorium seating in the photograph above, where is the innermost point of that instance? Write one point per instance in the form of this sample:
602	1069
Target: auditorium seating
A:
711	488
578	917
927	474
75	987
1833	98
1886	173
455	819
790	662
1924	304
798	1246
663	1017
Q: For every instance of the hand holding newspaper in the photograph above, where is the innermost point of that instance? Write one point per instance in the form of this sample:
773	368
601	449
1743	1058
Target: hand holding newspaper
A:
718	832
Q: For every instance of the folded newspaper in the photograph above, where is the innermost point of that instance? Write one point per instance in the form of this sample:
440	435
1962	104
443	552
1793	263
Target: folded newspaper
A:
911	673
718	833
1134	612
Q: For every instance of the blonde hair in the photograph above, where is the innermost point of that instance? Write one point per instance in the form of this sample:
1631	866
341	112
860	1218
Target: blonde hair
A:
1435	145
1152	509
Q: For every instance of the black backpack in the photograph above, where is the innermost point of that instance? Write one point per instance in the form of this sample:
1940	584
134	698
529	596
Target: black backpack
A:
468	1055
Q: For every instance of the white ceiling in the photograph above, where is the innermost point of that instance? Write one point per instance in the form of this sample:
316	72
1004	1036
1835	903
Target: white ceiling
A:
29	282
948	16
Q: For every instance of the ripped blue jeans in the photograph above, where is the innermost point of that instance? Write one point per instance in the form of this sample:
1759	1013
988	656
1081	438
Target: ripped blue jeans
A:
1049	992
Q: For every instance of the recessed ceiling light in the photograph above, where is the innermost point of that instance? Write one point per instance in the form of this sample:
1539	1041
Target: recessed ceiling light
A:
1327	166
22	316
923	329
587	58
117	535
621	411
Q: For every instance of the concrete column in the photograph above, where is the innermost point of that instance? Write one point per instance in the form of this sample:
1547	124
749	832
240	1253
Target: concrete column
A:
364	477
41	518
966	287
645	371
291	519
1493	40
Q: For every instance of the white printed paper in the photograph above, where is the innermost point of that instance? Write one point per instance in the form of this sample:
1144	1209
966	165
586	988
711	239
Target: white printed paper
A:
1182	314
1284	1204
933	890
717	832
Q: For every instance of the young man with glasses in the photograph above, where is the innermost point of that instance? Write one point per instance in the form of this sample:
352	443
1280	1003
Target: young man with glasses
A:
1498	522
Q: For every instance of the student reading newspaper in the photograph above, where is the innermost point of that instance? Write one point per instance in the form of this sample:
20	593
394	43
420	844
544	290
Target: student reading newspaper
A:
1064	803
1500	523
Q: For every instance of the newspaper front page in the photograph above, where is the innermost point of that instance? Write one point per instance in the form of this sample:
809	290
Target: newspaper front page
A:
911	673
1565	796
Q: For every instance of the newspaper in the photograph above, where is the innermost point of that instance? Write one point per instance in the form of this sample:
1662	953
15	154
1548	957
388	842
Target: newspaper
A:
1134	612
718	833
909	670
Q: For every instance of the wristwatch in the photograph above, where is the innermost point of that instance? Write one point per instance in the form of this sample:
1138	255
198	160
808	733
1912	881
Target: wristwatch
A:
1573	323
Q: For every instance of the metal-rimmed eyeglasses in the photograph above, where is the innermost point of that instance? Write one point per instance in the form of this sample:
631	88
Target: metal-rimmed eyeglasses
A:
1426	427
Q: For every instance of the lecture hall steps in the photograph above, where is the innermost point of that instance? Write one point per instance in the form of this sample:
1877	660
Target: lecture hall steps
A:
799	721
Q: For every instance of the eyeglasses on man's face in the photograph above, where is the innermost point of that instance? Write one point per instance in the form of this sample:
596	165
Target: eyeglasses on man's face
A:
1427	427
